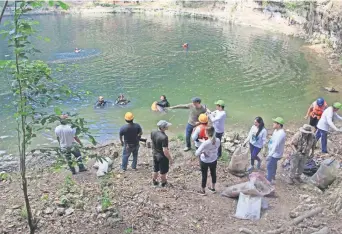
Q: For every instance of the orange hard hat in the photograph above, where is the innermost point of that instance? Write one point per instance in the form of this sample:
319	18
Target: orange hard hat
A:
203	118
129	116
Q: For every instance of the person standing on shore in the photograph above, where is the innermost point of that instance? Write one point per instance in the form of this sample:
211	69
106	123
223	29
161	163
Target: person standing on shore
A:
302	142
315	111
131	132
326	121
66	137
207	153
161	153
275	148
196	108
257	139
199	134
218	118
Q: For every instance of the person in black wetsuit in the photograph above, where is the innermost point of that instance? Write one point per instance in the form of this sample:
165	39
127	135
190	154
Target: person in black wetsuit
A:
101	103
163	102
121	100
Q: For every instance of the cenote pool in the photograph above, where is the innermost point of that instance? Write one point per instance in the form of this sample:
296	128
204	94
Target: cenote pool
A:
255	72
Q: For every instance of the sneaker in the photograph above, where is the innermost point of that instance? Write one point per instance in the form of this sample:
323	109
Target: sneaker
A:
290	181
155	183
212	190
73	171
201	192
258	165
81	169
186	149
251	168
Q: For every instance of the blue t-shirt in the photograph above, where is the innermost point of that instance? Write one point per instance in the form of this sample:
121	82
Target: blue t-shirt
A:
131	132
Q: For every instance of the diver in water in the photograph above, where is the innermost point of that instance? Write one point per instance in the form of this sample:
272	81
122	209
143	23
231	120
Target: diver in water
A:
163	102
101	103
121	100
77	50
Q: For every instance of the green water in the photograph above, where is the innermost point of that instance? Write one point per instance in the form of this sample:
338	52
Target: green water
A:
256	73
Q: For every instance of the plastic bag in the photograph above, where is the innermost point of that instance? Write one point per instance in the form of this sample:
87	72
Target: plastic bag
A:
326	174
103	167
310	167
258	186
239	161
248	207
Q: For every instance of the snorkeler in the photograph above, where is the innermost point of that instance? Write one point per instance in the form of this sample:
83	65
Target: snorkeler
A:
121	100
100	103
185	45
77	50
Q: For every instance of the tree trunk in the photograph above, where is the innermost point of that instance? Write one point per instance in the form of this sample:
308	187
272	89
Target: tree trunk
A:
22	132
3	10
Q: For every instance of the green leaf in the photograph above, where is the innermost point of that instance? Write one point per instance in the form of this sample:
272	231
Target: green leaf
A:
51	3
58	111
63	5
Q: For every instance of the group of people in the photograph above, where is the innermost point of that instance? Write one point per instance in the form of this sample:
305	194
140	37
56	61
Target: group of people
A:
101	103
206	128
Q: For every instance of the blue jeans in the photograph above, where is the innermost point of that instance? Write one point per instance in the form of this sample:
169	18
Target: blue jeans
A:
219	136
127	150
188	131
324	140
254	153
271	168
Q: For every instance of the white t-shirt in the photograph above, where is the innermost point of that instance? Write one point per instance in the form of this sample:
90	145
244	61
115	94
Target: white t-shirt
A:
66	135
277	144
218	119
208	151
327	119
260	140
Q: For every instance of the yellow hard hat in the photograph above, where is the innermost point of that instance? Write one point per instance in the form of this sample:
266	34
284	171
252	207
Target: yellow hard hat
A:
203	118
129	116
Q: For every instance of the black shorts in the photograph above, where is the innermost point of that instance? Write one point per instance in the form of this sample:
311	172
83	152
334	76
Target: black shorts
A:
313	122
161	165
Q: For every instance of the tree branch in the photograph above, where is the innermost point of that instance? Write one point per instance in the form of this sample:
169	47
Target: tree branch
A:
3	11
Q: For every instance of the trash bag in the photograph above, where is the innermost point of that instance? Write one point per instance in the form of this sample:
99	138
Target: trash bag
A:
248	207
257	186
310	167
239	161
103	166
326	174
260	182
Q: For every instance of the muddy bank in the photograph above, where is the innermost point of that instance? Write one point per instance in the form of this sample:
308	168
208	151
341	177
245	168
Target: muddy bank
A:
127	202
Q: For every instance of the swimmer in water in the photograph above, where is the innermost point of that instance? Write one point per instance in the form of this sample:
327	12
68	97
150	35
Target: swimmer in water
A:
163	102
121	100
77	50
100	103
185	45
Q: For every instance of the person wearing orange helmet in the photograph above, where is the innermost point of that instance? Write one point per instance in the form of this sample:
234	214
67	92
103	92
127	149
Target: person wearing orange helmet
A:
130	135
199	134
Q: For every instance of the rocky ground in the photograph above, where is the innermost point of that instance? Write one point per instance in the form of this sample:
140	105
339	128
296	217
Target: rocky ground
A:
128	203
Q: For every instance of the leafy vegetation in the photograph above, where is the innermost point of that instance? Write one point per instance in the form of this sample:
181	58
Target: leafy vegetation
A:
33	89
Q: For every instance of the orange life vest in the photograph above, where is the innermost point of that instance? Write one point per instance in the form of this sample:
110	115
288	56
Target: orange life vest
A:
317	111
202	134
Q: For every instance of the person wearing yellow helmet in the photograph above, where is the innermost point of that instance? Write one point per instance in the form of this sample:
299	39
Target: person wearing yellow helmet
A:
130	134
326	122
199	134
